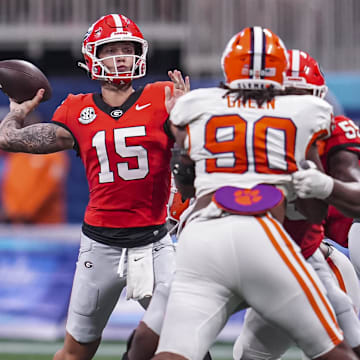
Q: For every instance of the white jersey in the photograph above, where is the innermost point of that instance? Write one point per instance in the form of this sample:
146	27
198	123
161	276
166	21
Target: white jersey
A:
244	145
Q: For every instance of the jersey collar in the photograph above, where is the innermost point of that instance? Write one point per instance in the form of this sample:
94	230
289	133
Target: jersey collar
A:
118	111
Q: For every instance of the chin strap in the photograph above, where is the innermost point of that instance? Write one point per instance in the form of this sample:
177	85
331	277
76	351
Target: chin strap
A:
83	66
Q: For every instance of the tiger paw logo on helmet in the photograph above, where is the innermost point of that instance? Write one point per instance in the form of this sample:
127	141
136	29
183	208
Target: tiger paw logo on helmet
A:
255	58
108	29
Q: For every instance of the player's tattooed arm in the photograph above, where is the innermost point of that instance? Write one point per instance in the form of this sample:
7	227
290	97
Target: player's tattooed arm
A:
39	138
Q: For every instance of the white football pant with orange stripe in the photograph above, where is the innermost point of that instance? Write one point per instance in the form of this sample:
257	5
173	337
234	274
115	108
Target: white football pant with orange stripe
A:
229	263
344	273
354	248
341	302
261	340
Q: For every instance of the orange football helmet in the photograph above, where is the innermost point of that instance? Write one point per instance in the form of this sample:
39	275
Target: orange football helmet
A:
255	58
304	72
113	28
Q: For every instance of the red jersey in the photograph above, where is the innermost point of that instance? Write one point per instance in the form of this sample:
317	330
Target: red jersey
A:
337	226
126	154
345	136
308	236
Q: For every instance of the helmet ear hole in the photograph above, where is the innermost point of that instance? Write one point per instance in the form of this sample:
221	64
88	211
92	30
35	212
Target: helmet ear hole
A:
138	48
98	50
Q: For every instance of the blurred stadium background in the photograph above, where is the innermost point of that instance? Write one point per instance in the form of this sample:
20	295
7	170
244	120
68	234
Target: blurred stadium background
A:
37	262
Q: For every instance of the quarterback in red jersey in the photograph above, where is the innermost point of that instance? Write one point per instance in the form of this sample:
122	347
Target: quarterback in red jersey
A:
122	138
117	166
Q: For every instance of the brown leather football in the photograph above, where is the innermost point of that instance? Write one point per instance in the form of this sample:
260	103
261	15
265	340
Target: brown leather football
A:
20	80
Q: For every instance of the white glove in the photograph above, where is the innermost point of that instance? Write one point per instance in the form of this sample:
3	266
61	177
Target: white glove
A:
140	272
309	182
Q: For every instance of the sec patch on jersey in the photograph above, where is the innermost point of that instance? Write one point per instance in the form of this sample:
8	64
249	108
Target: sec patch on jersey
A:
20	80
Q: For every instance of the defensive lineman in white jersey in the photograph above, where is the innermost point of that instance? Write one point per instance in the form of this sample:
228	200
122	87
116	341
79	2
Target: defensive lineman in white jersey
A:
258	337
272	138
233	252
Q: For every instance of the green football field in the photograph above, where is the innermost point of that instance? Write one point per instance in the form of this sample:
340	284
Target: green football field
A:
29	350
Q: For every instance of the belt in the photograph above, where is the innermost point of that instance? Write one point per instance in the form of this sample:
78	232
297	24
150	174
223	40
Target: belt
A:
278	212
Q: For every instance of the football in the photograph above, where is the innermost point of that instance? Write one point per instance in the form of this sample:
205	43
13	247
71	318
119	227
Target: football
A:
20	80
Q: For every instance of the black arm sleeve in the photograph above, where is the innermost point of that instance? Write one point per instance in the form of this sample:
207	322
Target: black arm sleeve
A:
182	167
167	129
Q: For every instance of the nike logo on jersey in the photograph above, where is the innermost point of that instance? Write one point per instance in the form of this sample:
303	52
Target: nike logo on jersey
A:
142	107
137	259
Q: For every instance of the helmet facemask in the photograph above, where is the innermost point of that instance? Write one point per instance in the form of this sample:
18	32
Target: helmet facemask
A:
100	71
301	83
